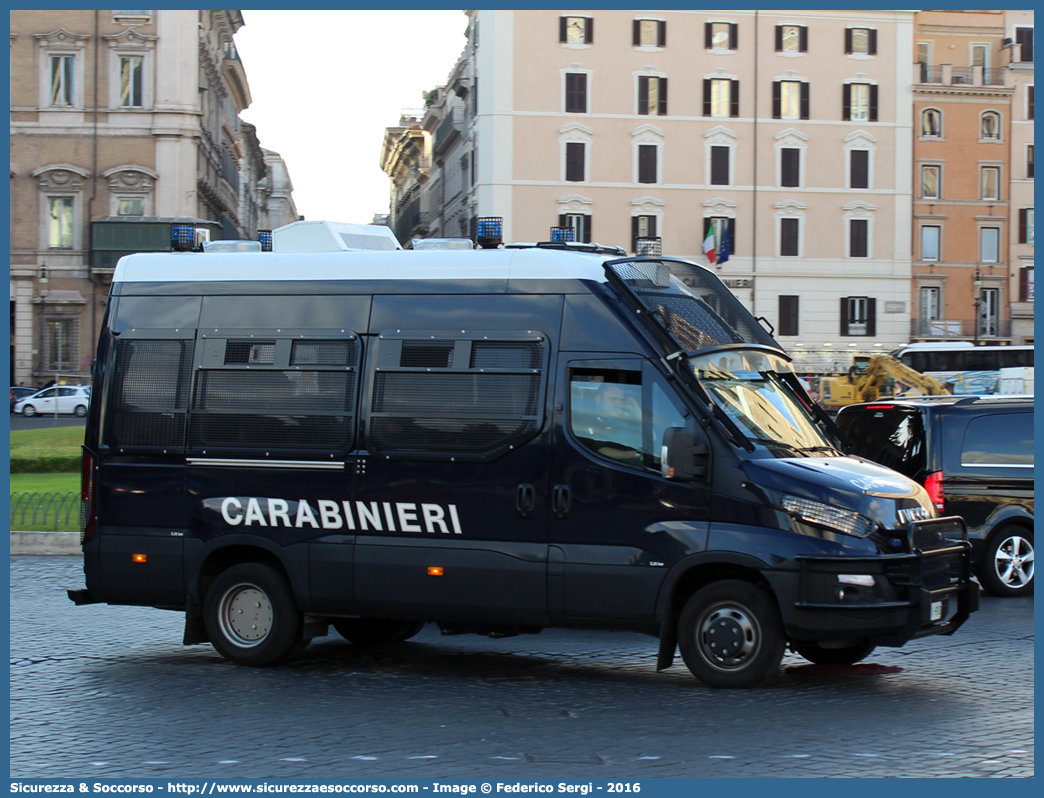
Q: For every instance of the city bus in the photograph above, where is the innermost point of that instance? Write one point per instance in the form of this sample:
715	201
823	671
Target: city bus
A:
964	367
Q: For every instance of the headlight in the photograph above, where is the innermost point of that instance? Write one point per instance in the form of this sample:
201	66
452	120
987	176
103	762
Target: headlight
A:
846	521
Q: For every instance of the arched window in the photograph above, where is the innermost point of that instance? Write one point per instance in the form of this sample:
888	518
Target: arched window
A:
931	123
990	125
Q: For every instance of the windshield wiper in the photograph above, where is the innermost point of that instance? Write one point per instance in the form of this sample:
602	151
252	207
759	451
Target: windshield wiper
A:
796	449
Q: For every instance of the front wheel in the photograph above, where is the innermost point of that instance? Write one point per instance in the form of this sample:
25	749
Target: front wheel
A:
376	631
1007	562
849	655
81	410
730	634
28	410
251	616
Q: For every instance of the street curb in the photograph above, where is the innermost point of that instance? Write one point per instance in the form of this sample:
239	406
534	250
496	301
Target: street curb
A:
45	543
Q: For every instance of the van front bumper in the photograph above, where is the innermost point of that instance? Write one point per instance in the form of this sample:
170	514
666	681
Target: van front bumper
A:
928	591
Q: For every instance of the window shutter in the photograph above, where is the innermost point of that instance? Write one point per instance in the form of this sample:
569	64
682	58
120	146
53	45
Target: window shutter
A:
1029	98
873	102
803	39
637	32
777	99
663	97
708	35
788	315
734	98
634	234
779	38
859	169
661	30
789	235
804	99
846	102
844	315
575	161
707	222
790	167
848	41
872	44
643	95
1023	218
871	317
732	235
561	220
719	166
733	35
646	163
562	35
589	31
587	229
707	97
857	238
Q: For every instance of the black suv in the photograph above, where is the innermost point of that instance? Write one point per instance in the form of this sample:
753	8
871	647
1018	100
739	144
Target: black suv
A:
974	455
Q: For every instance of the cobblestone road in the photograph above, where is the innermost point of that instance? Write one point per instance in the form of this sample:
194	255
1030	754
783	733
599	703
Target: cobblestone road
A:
109	691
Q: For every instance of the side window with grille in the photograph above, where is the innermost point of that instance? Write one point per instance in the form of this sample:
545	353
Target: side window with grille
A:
470	396
148	398
278	396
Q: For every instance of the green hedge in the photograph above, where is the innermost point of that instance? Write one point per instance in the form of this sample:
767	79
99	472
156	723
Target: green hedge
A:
42	451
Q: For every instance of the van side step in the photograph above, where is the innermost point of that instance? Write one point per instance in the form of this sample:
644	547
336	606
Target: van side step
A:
81	597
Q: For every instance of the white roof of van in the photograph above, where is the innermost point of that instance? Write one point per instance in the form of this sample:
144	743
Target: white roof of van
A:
499	264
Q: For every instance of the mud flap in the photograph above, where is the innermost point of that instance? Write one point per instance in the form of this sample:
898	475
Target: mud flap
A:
195	631
668	641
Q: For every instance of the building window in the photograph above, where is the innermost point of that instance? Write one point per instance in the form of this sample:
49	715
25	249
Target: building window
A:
1026	225
721	35
720	97
929	308
859	168
989	245
720	166
789	99
647	167
930	235
791	39
790	167
980	55
1029	103
931	123
989	310
576	93
924	54
990	183
60	225
858	316
930	182
60	344
575	152
1024	38
131	81
788	315
642	227
62	80
789	230
652	96
575	30
861	41
990	126
1026	284
858	239
859	102
581	224
130	207
1029	161
650	33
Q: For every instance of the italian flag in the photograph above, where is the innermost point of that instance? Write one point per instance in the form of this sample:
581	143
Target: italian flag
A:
708	245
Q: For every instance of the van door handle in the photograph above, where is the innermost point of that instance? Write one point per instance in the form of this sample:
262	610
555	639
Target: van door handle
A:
561	501
526	500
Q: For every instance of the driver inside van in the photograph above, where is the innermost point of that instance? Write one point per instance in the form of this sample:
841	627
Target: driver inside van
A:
609	417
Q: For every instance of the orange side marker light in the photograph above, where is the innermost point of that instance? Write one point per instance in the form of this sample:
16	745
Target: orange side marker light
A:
435	570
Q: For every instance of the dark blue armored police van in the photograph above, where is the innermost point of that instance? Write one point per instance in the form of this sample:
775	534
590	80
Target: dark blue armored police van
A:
496	442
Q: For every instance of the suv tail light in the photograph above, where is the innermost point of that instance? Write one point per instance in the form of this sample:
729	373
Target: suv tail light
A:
935	490
88	495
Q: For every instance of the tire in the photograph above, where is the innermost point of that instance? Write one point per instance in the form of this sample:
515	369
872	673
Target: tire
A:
28	410
251	616
81	410
848	655
1007	562
376	631
747	618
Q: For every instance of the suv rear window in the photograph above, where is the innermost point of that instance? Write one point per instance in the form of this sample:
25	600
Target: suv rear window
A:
1004	439
890	436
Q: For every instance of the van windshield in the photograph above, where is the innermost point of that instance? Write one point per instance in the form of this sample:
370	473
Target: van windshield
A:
749	388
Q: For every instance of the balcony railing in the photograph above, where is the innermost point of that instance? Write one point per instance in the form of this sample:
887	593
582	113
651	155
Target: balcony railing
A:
963	329
450	127
962	76
993	76
931	74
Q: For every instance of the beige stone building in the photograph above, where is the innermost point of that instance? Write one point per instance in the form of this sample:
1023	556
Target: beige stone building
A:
131	117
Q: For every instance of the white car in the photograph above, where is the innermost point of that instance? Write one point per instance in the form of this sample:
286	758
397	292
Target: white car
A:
70	398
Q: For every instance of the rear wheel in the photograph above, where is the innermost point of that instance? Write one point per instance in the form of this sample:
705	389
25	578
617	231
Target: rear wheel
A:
28	410
849	655
730	634
1007	562
251	616
81	410
376	631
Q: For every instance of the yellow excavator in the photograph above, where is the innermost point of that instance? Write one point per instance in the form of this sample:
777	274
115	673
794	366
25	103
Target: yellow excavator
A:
864	385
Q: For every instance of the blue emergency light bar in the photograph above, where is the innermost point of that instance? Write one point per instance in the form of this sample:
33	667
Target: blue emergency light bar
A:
265	237
182	237
562	235
648	246
489	231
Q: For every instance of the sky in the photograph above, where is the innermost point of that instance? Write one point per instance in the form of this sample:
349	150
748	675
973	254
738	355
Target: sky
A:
323	101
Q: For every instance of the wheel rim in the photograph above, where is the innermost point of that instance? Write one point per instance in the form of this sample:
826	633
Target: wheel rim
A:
28	410
729	636
245	615
1014	561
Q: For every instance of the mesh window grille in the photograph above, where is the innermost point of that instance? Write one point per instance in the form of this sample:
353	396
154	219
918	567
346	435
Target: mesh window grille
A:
149	395
323	353
427	354
250	352
506	355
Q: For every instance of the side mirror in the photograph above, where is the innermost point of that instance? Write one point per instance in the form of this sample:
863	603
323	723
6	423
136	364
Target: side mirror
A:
683	457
